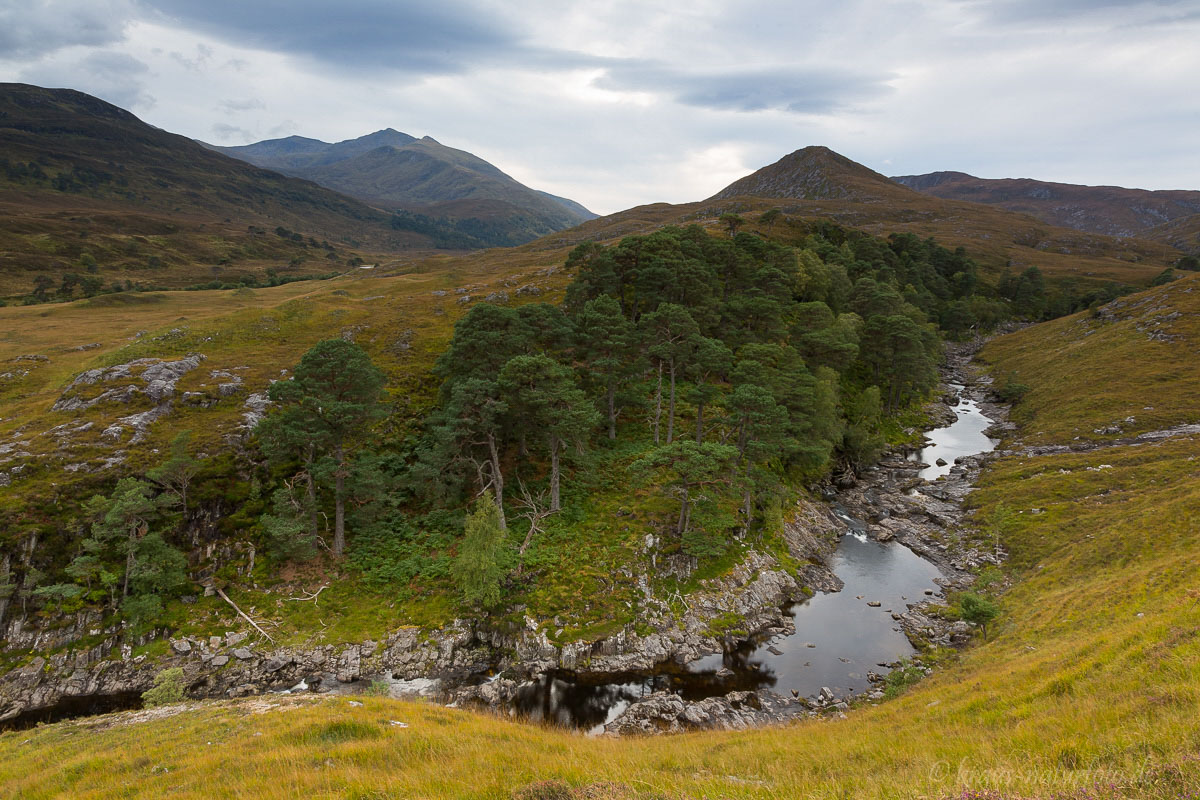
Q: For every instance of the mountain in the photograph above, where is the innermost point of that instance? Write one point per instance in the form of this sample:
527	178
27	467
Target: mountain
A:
815	173
441	188
814	184
1111	210
84	183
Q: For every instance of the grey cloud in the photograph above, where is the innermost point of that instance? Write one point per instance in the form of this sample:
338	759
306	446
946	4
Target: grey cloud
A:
226	133
244	104
32	30
1115	11
195	64
442	38
792	90
111	76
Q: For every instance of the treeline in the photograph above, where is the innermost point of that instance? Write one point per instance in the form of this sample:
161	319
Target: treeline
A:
470	233
1031	297
75	179
705	373
738	364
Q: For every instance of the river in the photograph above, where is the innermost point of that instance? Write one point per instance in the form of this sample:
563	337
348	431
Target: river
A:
839	637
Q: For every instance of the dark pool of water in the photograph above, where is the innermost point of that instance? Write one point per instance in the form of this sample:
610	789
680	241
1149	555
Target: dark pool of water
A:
848	638
72	707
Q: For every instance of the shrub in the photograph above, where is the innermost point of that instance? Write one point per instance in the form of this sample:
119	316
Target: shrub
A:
1012	390
978	610
168	688
902	677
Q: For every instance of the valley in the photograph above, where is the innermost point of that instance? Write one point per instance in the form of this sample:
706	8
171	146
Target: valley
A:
1087	680
851	490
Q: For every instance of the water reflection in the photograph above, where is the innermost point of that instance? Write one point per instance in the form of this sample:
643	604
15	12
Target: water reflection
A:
839	637
964	437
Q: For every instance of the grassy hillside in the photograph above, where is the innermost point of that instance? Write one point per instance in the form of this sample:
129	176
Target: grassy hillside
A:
86	187
52	460
817	184
1087	688
1182	233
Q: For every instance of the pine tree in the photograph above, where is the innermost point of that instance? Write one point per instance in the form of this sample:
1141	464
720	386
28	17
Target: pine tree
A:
176	473
542	396
333	396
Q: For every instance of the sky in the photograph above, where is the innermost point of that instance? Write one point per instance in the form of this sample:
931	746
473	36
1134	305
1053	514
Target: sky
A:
616	103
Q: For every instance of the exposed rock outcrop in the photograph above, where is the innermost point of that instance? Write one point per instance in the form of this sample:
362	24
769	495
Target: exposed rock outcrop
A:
664	712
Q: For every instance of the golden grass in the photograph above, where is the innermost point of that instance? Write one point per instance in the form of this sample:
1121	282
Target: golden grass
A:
1091	677
1090	371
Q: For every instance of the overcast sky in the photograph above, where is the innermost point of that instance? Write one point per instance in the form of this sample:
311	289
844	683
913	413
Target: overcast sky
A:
615	103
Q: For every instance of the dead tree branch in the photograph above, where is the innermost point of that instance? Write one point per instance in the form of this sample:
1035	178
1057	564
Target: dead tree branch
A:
244	615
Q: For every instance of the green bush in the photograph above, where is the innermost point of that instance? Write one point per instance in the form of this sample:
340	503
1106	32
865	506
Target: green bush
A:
168	688
1012	390
978	610
902	677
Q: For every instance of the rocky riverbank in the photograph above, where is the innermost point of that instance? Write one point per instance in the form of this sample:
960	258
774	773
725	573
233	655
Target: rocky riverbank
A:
452	661
895	504
449	662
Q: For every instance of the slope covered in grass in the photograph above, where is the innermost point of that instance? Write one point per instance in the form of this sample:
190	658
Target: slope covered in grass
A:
1088	686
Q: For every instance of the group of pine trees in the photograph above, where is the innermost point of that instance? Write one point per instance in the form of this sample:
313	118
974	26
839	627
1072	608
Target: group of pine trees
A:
725	366
737	362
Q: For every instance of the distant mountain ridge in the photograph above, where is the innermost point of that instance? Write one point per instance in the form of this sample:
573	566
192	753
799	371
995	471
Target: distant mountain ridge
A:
1111	210
441	185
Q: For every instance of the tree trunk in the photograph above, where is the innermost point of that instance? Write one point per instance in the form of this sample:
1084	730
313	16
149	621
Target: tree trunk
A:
497	479
129	559
311	491
612	410
671	412
658	403
555	498
339	502
747	500
30	548
6	580
700	422
683	512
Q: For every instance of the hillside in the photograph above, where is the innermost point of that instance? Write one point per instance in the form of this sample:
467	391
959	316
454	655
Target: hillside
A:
87	187
1182	233
802	341
1109	210
1085	689
393	170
